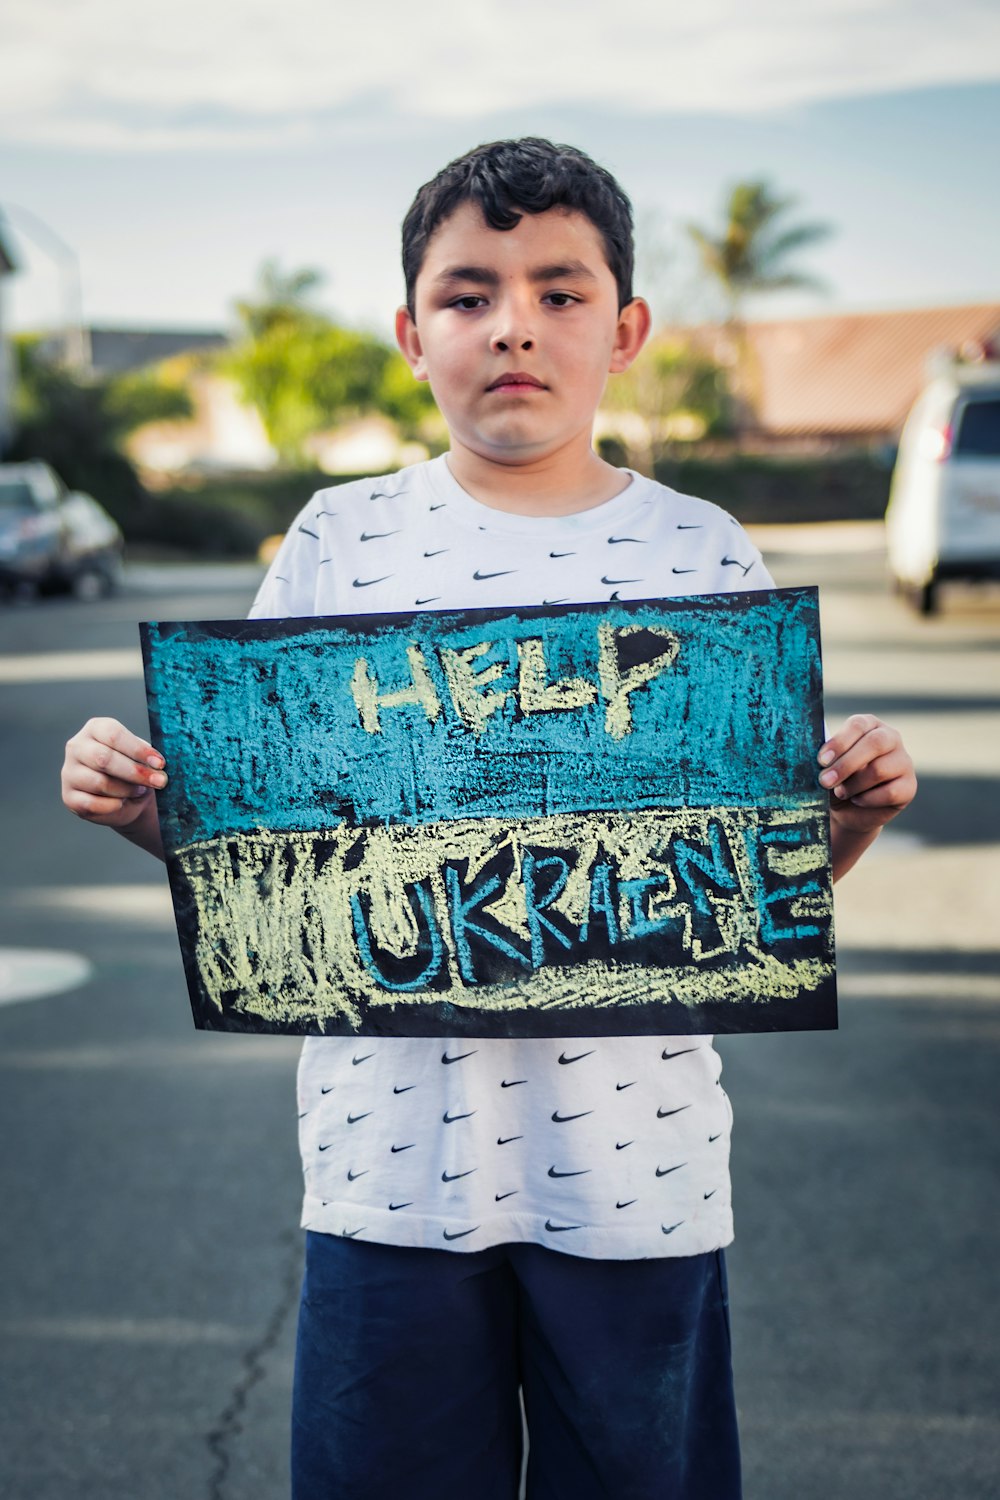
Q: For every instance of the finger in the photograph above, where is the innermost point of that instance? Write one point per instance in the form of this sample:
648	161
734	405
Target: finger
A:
874	743
97	755
895	795
883	768
97	784
93	808
846	736
111	732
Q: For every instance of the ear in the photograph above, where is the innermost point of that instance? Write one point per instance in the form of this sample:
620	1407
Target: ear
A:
409	343
634	323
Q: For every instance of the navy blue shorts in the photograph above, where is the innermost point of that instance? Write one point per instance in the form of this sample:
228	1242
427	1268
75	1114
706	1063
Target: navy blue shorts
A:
410	1365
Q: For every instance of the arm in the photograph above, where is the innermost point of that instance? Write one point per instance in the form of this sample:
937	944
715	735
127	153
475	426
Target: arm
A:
109	776
870	778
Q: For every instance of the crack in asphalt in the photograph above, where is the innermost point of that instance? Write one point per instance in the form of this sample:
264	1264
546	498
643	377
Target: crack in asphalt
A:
252	1366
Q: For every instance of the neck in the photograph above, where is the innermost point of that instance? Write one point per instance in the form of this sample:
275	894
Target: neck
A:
558	484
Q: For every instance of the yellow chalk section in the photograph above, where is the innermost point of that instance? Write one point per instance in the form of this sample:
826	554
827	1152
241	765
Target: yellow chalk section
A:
275	937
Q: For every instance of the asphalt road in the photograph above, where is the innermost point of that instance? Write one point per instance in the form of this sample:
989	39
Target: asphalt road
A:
149	1181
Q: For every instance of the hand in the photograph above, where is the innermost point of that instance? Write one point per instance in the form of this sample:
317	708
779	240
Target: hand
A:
869	775
108	777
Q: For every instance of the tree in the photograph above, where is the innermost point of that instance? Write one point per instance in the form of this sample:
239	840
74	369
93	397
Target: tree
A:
304	373
282	298
679	394
77	424
751	255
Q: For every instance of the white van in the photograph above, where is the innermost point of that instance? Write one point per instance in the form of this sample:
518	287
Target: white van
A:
943	518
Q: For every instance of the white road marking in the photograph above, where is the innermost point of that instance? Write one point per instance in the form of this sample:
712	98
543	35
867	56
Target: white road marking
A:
70	666
33	973
139	904
124	1330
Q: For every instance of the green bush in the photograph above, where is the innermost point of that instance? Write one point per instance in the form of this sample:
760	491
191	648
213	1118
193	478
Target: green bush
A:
757	489
223	517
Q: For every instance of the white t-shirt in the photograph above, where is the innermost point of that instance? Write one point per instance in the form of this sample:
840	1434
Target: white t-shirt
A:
611	1147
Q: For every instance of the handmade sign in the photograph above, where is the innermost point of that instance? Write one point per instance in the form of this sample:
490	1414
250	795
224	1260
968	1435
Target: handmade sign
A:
574	821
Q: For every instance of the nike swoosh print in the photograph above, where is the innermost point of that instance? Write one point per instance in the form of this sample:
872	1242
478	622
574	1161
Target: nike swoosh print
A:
712	1194
303	1114
734	562
376	536
348	1234
562	554
620	1086
454	1176
627	1204
432	600
714	1138
410	1147
306	532
458	1056
439	507
365	583
612	581
353	1119
328	1090
482	577
405	1089
512	1083
499	1197
620	1145
459	1234
551	602
564	1059
668	1055
356	1060
669	1228
558	1228
690	528
436	553
505	1140
582	1173
394	1206
353	1176
613	539
559	1119
326	1147
450	1119
683	570
662	1114
666	1171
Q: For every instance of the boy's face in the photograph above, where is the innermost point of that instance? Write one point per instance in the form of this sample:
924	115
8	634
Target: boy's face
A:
538	302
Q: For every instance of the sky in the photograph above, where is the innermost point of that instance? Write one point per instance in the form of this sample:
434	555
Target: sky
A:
159	155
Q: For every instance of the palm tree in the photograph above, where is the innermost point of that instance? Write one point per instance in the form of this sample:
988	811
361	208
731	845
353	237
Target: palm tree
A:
751	256
282	299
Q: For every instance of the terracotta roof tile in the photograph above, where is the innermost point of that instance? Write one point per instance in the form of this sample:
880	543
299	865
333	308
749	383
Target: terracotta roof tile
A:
850	373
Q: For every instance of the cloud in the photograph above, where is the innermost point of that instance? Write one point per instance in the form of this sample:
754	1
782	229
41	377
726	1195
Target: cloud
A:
247	74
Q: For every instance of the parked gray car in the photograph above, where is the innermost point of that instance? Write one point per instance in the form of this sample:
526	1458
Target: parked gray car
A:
53	539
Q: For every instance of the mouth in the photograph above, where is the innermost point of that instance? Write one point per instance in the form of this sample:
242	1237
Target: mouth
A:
517	380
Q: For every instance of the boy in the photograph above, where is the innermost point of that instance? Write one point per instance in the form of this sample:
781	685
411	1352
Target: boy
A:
493	1214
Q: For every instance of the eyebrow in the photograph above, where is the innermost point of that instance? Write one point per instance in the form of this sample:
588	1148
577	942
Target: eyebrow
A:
486	276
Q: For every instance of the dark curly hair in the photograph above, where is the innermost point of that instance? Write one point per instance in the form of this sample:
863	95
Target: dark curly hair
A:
529	175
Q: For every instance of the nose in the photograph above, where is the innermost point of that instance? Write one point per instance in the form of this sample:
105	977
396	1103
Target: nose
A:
502	343
512	329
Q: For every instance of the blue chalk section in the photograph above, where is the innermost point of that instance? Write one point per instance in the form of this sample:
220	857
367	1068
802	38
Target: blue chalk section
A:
260	728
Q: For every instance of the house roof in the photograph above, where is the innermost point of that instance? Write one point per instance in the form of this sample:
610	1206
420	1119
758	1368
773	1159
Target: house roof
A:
850	373
114	350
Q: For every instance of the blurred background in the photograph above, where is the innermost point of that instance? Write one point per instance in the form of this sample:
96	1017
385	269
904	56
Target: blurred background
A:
199	225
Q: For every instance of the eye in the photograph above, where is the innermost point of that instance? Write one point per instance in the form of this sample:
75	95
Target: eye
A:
560	299
468	302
